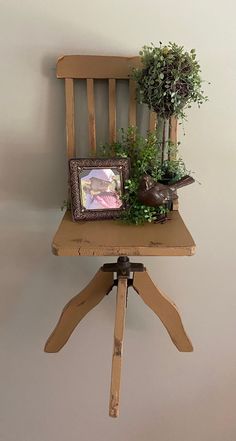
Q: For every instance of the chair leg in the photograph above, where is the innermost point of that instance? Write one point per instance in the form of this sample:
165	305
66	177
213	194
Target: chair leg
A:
164	308
118	347
77	308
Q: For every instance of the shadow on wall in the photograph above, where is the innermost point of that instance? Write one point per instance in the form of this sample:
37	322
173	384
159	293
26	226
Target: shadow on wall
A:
34	148
35	168
35	179
35	164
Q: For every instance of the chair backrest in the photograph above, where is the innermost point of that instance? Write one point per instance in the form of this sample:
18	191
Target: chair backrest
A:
93	67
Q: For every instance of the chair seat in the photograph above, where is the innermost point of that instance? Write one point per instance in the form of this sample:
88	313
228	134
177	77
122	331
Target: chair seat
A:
113	238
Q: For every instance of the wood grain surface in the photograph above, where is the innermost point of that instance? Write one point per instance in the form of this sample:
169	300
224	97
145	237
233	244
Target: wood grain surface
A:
70	118
164	308
132	103
152	121
118	347
91	116
114	238
96	66
77	308
112	110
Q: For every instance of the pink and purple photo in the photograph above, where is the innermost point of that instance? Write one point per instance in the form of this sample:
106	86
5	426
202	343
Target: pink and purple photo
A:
100	189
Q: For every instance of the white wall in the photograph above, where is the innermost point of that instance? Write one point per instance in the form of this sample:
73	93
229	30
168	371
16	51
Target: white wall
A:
166	395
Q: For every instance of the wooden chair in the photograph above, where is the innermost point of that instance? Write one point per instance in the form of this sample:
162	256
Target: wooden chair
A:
112	238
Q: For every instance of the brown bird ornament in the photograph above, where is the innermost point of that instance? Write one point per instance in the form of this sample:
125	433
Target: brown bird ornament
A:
155	194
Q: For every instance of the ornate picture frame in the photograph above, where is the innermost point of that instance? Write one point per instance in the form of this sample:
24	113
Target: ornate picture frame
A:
97	186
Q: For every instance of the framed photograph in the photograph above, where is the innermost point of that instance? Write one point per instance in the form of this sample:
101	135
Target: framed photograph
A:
97	186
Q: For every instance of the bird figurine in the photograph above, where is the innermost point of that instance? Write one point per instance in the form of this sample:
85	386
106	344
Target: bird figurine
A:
155	194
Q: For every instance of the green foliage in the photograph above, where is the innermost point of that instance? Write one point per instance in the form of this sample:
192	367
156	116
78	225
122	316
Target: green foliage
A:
174	168
66	205
169	80
144	153
145	158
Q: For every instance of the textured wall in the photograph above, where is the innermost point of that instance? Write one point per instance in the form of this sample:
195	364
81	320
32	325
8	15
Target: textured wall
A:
166	395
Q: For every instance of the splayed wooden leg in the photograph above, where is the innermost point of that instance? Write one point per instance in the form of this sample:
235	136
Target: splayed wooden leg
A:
164	308
77	308
118	347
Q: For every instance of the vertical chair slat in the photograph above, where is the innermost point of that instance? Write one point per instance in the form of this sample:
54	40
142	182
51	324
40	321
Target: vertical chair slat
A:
91	115
173	130
70	117
173	123
132	103
152	121
112	110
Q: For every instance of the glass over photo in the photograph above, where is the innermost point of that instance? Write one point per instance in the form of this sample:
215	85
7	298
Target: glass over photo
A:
100	188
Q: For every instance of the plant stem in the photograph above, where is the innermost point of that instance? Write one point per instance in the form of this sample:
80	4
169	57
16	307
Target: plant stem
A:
169	138
163	141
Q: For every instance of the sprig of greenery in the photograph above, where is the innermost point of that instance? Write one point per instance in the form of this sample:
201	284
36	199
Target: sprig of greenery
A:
169	80
145	158
66	204
144	153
